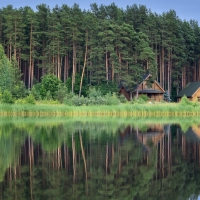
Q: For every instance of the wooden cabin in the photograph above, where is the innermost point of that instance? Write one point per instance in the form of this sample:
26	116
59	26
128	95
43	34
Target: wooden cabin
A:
154	91
191	91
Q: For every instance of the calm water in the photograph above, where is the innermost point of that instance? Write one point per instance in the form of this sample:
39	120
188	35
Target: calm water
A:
77	160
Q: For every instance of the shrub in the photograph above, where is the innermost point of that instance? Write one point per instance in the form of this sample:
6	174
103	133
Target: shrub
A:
95	101
61	93
20	101
30	99
19	90
122	98
48	96
7	97
50	83
68	99
111	99
94	92
35	93
78	101
144	97
185	101
138	101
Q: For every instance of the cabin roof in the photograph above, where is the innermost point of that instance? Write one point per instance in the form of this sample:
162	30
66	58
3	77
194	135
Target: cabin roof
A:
144	77
191	135
150	91
189	89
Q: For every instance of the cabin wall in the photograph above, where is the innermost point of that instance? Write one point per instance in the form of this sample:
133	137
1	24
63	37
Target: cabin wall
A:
196	95
153	96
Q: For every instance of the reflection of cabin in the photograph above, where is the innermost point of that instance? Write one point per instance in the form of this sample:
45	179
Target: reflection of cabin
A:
153	90
191	91
154	133
193	133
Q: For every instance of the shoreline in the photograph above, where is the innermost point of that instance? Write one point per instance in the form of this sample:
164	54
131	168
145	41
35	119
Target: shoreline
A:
122	110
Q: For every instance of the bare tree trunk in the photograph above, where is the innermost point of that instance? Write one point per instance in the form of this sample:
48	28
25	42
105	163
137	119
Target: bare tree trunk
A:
106	66
85	164
74	64
74	158
85	62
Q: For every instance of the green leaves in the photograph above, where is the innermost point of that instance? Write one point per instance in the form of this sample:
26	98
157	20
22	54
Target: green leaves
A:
50	83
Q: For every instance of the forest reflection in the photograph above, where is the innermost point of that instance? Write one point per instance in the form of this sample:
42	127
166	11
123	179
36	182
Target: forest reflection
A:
99	161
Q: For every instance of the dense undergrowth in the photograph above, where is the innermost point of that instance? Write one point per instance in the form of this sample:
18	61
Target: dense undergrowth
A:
94	104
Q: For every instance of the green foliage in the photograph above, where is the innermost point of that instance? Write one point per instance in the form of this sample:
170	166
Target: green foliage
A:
61	93
48	96
141	100
50	83
111	99
144	97
7	97
30	99
94	92
108	87
186	102
138	101
122	98
7	71
35	93
21	101
85	86
19	90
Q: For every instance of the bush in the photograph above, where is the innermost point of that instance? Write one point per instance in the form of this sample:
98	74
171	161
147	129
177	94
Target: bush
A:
20	101
50	83
95	101
61	93
48	96
35	93
93	92
19	91
30	99
7	97
185	101
78	101
111	99
144	97
122	98
138	101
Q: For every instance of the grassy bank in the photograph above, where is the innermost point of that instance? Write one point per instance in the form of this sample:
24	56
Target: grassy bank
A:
122	110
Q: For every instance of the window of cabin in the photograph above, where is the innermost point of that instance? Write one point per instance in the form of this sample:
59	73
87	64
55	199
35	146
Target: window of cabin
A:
149	95
198	98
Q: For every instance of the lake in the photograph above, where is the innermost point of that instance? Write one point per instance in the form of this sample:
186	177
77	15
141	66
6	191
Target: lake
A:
108	158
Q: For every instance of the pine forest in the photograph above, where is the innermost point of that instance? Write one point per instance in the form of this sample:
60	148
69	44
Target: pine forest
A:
99	46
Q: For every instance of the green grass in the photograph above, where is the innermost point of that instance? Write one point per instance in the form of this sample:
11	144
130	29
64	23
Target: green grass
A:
122	110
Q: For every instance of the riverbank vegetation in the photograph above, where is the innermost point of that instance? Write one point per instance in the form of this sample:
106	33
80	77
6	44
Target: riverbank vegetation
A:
130	109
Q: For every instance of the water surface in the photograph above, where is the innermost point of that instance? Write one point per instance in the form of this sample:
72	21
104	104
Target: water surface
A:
108	159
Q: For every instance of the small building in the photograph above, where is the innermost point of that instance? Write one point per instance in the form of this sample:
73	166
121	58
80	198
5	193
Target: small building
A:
191	91
154	91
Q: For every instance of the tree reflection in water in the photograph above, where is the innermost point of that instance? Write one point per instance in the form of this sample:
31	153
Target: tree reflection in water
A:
99	161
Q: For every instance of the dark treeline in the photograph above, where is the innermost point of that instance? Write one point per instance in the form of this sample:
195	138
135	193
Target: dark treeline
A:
105	44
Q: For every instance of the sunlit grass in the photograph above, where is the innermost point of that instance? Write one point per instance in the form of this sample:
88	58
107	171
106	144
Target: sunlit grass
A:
122	110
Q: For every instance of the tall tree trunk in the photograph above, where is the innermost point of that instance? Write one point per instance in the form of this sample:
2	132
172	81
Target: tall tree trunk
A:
85	164
106	66
85	62
74	64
